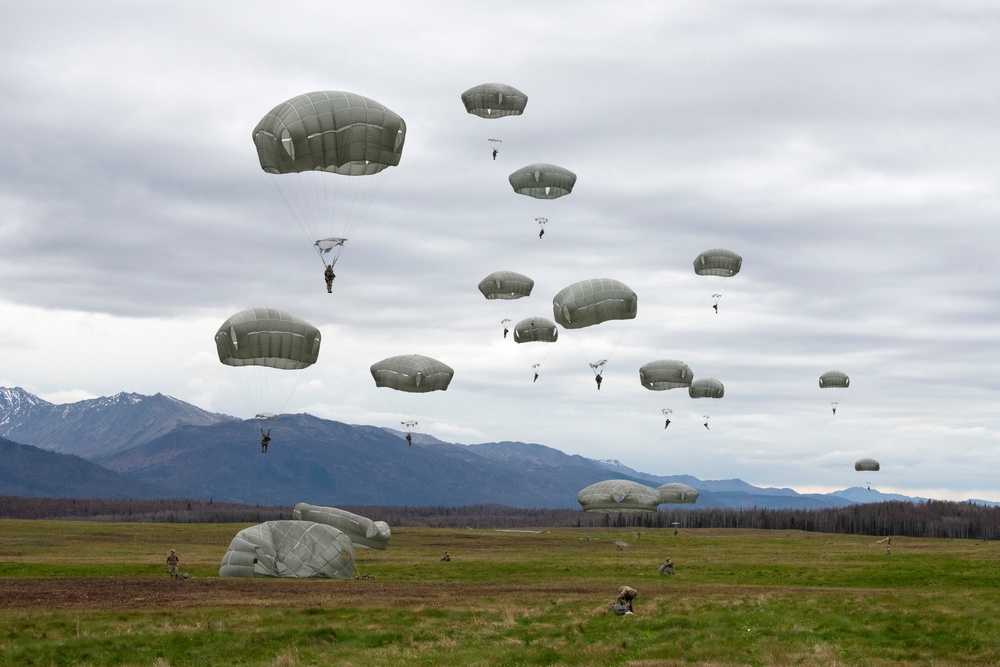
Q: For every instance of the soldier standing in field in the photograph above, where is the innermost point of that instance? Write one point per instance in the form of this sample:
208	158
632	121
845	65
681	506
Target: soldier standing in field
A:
172	562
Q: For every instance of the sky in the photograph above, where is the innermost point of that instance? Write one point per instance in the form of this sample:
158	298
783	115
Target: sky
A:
849	151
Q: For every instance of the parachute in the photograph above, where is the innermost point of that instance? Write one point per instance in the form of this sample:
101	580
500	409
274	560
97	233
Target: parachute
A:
412	373
410	377
665	374
706	388
618	495
603	306
506	285
265	343
866	465
536	330
289	549
677	493
362	531
542	181
494	100
834	380
717	262
316	144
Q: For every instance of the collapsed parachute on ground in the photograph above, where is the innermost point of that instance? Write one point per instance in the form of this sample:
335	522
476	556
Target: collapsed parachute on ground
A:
618	495
506	285
677	493
718	262
311	142
706	388
866	465
362	531
267	337
665	374
494	100
834	380
413	373
298	549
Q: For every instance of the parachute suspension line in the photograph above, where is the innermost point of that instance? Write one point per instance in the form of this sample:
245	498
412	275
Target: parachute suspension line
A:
267	390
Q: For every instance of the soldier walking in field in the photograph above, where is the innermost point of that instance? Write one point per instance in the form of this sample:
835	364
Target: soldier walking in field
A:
172	561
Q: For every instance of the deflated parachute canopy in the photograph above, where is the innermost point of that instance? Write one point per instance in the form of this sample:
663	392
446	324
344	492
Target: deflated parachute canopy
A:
594	301
677	493
412	373
618	495
869	465
706	388
665	374
339	132
506	285
362	531
536	330
718	262
834	379
267	337
542	181
494	100
289	549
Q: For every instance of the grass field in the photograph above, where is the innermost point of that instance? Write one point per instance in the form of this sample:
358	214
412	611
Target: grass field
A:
81	593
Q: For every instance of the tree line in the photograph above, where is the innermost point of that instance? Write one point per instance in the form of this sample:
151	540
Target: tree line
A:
933	518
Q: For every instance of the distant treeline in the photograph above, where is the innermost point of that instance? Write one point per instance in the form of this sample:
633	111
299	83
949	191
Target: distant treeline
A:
913	519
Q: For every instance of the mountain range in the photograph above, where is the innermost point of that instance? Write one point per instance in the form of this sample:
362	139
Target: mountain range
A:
132	445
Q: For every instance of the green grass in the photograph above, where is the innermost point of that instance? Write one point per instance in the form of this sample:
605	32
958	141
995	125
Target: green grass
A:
739	598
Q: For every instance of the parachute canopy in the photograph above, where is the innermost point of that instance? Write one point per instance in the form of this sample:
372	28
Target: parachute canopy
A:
494	100
536	330
362	531
834	379
542	181
870	465
506	285
706	388
618	495
413	373
665	374
334	131
677	493
594	301
289	549
718	262
267	337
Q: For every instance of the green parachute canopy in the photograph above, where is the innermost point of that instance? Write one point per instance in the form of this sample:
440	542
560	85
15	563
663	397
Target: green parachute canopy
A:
494	100
706	388
536	330
718	262
591	302
677	493
618	495
665	374
299	549
267	337
542	181
362	531
338	132
506	285
867	465
835	380
412	373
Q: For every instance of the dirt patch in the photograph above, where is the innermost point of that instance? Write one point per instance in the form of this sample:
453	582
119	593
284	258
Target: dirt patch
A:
139	593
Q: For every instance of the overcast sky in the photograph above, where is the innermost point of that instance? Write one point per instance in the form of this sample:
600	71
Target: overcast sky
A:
848	150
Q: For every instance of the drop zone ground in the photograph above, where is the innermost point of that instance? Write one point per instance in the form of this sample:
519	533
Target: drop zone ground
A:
83	593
